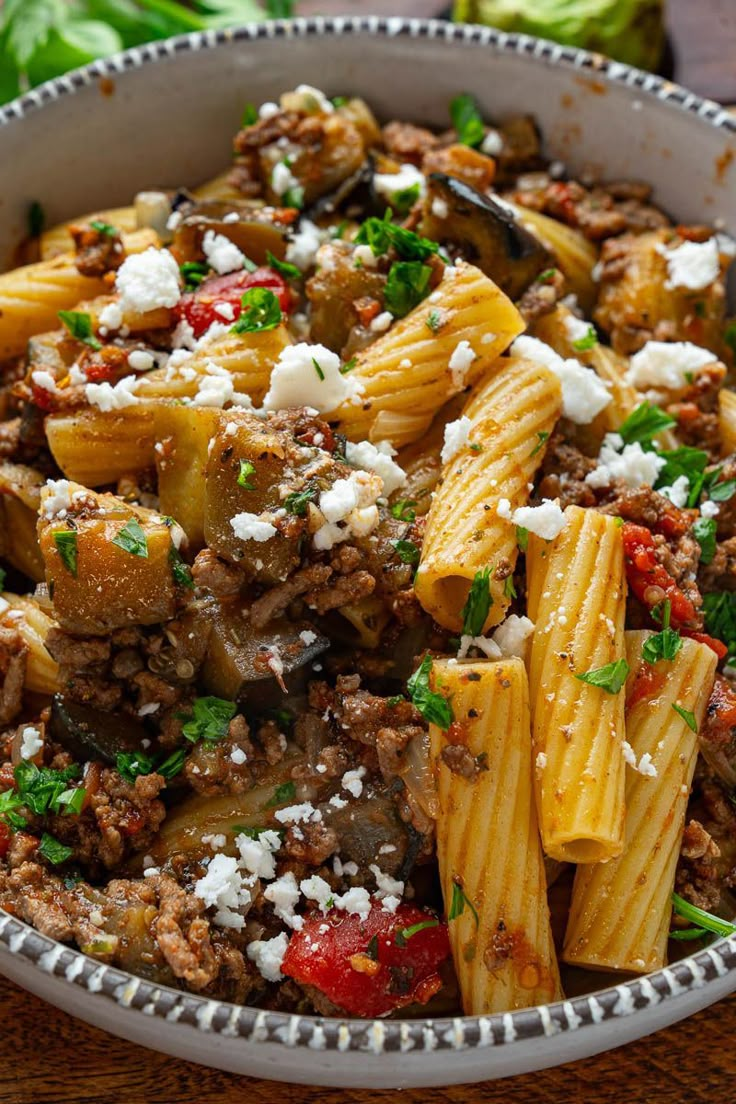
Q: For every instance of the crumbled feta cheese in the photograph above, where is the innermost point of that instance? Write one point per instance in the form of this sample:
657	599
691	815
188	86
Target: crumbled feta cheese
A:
317	889
31	742
460	361
302	249
295	380
584	394
678	492
108	398
222	888
268	109
576	328
387	886
512	636
440	209
247	526
148	280
645	766
503	509
546	520
666	365
140	361
214	390
377	459
338	802
321	102
364	257
149	708
492	144
56	498
257	853
356	901
222	254
456	438
630	463
352	781
268	954
44	380
307	637
298	814
283	895
111	316
541	761
215	840
381	322
283	179
489	649
691	265
709	509
388	184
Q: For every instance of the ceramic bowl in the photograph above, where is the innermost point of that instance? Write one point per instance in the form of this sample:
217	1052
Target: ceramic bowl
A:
164	115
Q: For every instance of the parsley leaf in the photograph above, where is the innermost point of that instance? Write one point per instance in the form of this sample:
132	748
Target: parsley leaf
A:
132	539
704	920
475	611
406	286
284	268
318	369
686	461
44	790
542	437
403	935
588	342
434	707
522	537
458	903
610	678
402	510
721	492
66	545
180	569
434	320
53	850
509	590
283	793
246	471
79	325
261	311
665	644
131	764
644	423
704	531
467	120
210	719
105	228
193	273
296	503
407	551
687	716
172	764
381	234
720	617
250	115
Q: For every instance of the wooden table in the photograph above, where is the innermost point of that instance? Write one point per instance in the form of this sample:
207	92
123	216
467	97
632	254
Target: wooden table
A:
46	1057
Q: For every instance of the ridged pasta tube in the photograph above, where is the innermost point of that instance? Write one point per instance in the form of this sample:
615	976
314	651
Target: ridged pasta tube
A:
512	415
490	859
94	448
575	256
58	239
727	421
42	672
407	374
578	728
620	911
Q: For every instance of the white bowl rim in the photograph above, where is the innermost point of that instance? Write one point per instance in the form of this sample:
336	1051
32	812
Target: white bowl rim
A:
344	1035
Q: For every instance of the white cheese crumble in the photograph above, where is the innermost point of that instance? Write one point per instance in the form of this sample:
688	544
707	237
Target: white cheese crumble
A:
645	766
268	954
381	322
492	144
307	637
351	503
321	102
111	316
107	398
238	756
546	520
356	901
268	109
456	438
317	889
302	249
283	179
512	636
140	361
576	328
257	854
666	365
630	463
584	395
364	257
247	526
295	380
283	895
298	814
691	265
489	649
709	509
56	498
44	380
439	208
222	887
148	280
352	781
678	492
31	742
222	254
377	459
388	184
460	361
387	886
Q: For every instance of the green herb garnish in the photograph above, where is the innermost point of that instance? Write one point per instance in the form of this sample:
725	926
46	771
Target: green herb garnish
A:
131	764
296	503
434	320
402	510
434	707
284	268
609	678
406	286
193	273
705	921
250	115
105	228
582	344
180	569
132	539
478	603
210	719
260	311
665	644
246	471
405	198
403	935
79	325
458	903
381	234
407	551
172	764
44	790
283	793
542	437
318	369
467	120
348	365
704	531
687	716
66	545
509	590
53	850
720	617
522	537
644	423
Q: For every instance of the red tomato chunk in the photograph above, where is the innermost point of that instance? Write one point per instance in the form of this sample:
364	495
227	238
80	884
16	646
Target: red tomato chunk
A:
198	307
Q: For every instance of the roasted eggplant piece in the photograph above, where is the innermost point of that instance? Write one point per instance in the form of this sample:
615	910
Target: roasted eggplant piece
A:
483	233
336	292
355	188
90	733
255	232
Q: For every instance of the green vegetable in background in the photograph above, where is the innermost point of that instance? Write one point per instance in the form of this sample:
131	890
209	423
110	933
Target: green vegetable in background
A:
41	39
628	30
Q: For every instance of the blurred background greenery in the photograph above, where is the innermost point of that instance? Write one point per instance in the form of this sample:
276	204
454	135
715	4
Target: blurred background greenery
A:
40	39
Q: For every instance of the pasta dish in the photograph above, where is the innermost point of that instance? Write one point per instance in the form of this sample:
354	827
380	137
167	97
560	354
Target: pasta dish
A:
368	530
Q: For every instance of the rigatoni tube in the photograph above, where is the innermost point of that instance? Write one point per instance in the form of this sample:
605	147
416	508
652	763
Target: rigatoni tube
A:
490	859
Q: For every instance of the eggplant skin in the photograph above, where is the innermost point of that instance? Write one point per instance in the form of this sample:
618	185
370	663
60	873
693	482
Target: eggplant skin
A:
484	233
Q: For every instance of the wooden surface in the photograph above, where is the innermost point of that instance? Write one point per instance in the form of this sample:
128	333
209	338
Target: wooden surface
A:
46	1057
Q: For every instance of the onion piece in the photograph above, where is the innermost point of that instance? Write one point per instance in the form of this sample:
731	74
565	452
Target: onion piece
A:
418	776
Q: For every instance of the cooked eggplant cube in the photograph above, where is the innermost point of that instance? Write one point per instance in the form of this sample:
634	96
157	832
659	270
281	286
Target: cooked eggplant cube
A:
484	233
101	586
255	234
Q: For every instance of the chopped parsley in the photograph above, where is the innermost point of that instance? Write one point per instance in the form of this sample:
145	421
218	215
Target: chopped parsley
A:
193	273
53	850
548	274
434	707
644	423
588	342
210	719
721	492
250	115
283	793
434	320
172	764
509	590
406	286
407	551
66	545
284	268
706	922
542	437
131	764
381	234
403	935
260	311
246	471
43	790
180	569
318	369
403	200
686	461
105	228
79	325
687	716
522	537
296	503
402	510
467	120
610	678
475	611
704	531
132	539
720	617
458	903
372	948
665	644
348	365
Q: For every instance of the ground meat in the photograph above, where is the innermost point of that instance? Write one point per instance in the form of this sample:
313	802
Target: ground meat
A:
311	843
406	142
726	517
210	769
222	579
13	659
460	761
599	212
708	855
563	474
344	591
363	714
463	163
97	251
697	843
184	935
720	573
275	601
542	298
78	653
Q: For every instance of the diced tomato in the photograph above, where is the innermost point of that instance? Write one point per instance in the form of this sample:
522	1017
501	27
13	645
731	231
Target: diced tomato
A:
559	194
366	309
42	398
198	307
644	571
646	686
5	835
367	967
702	638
